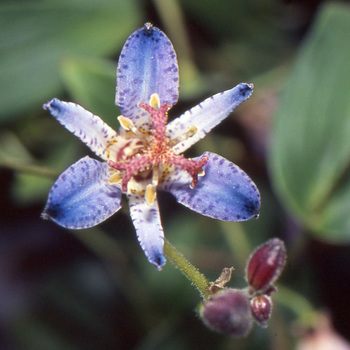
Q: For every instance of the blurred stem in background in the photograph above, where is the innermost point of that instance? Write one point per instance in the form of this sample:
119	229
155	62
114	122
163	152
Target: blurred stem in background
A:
28	168
171	14
237	240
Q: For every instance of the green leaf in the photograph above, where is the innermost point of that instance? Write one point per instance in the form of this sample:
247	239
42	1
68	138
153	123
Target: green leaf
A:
248	39
36	36
91	82
310	153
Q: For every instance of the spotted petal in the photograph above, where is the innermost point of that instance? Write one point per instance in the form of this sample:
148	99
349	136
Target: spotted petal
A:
81	197
147	65
94	132
225	192
207	114
149	229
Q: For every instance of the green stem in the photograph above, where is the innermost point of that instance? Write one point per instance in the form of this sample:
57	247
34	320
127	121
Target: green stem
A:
28	168
190	271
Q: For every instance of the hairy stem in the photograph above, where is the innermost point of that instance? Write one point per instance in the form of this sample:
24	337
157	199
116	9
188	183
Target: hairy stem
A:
190	271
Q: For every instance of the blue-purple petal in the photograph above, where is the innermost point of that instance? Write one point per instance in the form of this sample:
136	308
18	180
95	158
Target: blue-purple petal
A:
91	129
225	192
147	65
81	196
207	114
149	229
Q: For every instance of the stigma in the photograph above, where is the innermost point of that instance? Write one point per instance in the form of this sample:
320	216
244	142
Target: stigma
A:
156	157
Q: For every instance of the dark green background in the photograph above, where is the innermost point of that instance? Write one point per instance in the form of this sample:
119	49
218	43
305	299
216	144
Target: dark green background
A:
94	289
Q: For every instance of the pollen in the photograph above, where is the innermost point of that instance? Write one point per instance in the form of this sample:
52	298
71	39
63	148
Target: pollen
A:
191	131
154	101
156	154
115	178
126	123
150	194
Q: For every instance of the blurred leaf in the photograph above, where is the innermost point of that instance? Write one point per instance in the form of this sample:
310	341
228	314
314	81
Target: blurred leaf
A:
36	36
31	333
233	16
91	82
310	153
30	187
11	147
247	37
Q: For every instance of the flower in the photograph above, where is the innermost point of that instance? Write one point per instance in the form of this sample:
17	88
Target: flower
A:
146	154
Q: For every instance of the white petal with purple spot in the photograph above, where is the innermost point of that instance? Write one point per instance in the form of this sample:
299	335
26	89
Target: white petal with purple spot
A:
82	197
91	129
206	115
148	227
147	65
225	192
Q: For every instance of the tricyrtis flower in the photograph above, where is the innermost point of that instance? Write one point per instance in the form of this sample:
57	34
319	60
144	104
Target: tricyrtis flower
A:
146	154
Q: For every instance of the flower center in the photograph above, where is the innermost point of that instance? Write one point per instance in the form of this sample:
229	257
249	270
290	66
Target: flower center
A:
158	151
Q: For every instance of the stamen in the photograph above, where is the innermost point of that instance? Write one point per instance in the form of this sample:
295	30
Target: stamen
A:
151	189
115	178
201	172
154	101
191	131
152	150
150	194
155	176
127	124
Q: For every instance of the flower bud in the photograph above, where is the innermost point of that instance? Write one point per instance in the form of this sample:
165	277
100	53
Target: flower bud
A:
227	311
266	264
261	309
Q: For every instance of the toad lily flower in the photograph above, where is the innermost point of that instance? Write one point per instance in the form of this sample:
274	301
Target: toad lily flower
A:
146	154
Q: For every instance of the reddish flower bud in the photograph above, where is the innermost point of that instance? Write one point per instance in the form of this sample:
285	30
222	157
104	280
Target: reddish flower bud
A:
261	309
227	311
266	264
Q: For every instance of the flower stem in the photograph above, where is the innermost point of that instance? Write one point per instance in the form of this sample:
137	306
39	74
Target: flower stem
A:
28	168
190	271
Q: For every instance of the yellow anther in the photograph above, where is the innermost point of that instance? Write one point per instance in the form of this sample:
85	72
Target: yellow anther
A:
154	101
126	123
115	178
191	131
201	172
150	194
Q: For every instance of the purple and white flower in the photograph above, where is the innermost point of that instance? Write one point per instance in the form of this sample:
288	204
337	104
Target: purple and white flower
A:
146	154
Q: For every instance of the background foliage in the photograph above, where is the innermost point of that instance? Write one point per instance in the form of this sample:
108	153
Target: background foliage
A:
93	289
